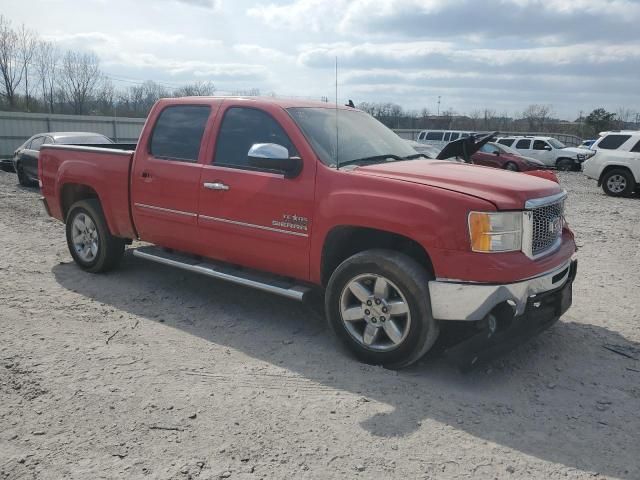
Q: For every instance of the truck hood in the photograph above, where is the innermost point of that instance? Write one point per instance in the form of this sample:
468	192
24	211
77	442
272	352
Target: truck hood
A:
506	190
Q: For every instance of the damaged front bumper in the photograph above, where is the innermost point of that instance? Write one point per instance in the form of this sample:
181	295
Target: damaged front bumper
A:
508	316
451	300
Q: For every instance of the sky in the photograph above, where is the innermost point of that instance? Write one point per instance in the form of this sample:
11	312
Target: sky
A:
504	55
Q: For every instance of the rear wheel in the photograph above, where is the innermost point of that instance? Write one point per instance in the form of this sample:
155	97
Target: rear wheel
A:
618	183
90	243
378	304
565	164
511	166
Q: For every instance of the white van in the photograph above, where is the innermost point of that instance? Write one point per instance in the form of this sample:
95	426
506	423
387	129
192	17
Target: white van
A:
439	138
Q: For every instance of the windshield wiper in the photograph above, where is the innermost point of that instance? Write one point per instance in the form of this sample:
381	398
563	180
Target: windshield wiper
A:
373	159
417	155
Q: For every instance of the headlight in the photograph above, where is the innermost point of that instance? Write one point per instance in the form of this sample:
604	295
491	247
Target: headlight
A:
495	232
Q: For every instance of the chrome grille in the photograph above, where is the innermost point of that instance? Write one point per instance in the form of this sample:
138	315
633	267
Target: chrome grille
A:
546	226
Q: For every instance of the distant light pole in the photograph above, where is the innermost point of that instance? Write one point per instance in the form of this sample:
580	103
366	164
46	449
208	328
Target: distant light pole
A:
439	97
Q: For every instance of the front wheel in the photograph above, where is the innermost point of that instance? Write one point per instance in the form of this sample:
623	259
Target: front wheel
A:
565	164
378	304
90	243
23	178
511	166
618	183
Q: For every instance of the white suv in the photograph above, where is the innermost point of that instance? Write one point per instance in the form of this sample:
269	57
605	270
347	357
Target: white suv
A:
616	164
549	151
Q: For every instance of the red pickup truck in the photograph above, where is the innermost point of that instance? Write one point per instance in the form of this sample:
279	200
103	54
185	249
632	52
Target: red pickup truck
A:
285	196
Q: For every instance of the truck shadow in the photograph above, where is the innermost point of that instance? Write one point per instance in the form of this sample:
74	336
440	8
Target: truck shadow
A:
558	398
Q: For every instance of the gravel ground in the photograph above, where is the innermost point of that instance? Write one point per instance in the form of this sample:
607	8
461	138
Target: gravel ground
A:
150	372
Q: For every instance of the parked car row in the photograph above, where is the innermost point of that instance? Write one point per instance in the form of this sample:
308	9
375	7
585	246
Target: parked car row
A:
547	150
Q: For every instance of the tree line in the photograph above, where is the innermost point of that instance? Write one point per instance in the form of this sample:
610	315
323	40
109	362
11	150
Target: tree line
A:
37	76
535	118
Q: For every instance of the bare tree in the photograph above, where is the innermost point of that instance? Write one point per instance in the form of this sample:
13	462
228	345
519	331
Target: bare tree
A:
623	116
196	89
47	57
79	78
10	66
536	116
27	44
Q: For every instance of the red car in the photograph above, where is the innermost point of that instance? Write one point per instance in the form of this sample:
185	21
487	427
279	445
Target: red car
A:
501	156
258	192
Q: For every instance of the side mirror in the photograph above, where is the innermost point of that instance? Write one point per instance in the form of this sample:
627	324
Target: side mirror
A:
272	156
496	153
547	148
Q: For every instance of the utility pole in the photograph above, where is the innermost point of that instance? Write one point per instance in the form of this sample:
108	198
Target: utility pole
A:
439	97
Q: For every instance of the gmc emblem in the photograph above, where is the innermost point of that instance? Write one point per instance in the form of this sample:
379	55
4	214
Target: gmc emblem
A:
554	225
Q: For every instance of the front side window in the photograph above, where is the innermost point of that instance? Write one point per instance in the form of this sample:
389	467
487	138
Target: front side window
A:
178	132
523	144
539	144
636	148
36	143
242	128
435	136
421	136
556	143
612	142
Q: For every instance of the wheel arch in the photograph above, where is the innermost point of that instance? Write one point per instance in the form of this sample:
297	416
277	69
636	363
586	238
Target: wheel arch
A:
611	167
71	193
343	241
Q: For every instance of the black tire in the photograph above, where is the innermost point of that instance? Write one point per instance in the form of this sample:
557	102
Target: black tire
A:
512	167
109	248
411	281
24	180
618	182
565	164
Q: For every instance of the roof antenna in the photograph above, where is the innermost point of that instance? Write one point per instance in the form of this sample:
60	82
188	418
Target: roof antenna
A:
337	156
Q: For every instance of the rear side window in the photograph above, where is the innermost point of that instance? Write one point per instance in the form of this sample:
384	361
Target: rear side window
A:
421	136
242	128
446	136
36	143
636	148
539	144
178	132
523	144
612	142
506	141
437	136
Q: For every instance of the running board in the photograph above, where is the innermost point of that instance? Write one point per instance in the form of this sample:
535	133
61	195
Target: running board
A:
260	281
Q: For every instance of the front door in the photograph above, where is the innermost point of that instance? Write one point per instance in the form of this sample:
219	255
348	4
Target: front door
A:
544	152
166	175
251	217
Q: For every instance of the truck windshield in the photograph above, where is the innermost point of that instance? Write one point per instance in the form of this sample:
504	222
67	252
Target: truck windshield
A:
359	136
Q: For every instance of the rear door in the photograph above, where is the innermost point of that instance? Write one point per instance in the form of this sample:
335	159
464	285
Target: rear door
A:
252	217
166	176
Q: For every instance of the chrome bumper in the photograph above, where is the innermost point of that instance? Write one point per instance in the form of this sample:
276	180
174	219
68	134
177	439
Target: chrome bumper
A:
451	300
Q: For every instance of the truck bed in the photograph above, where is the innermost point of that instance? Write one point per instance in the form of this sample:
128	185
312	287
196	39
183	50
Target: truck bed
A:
103	169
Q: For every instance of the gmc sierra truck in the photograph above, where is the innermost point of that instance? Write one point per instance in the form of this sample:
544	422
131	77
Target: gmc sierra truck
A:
285	196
